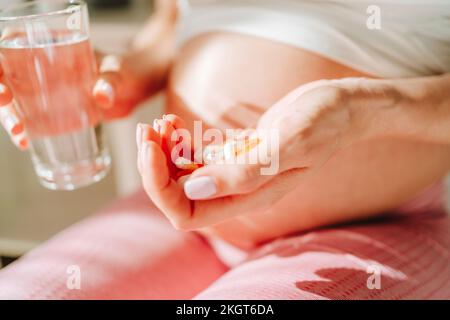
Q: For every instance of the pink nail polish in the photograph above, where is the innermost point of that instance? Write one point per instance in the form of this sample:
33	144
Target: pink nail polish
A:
156	126
18	128
23	144
200	188
11	124
104	93
5	95
138	135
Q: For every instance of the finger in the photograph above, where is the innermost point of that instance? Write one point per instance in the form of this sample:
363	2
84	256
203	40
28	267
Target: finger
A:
168	142
219	180
184	143
169	197
210	212
176	144
168	135
145	132
21	141
14	126
7	116
245	172
183	177
166	194
105	89
10	120
176	121
184	136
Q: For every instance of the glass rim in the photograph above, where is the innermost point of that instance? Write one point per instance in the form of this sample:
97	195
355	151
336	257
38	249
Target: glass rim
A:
69	9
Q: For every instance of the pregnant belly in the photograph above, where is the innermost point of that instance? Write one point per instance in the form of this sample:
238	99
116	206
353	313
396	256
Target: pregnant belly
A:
227	79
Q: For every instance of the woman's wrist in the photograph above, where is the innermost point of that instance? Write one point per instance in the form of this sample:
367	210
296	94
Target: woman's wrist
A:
424	108
416	109
373	104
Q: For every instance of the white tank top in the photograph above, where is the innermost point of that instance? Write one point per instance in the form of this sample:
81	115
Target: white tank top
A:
413	37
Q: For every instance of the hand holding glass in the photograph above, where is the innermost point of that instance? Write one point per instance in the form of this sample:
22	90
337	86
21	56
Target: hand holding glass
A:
49	65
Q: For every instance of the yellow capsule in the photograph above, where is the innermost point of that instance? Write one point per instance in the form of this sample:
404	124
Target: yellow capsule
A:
248	144
230	149
186	164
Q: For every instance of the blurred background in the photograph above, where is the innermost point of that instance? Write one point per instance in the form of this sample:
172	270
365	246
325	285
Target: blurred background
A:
30	214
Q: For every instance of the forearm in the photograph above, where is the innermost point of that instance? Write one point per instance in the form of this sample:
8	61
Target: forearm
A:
161	23
152	50
416	109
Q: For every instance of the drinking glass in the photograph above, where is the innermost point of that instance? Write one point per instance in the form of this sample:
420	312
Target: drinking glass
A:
50	67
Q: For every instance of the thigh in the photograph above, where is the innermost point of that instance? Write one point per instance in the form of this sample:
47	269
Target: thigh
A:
129	251
400	257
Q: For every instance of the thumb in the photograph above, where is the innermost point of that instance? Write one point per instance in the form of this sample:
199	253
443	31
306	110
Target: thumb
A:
219	180
246	172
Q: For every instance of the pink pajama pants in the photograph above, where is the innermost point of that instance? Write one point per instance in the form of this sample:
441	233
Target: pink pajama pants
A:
130	251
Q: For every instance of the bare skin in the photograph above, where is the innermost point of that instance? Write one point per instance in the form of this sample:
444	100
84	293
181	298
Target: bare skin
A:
230	81
355	183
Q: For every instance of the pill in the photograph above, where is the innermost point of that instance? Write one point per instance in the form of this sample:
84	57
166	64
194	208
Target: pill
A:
186	164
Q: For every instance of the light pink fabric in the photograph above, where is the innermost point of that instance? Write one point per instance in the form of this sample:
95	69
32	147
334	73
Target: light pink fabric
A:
130	251
410	248
411	256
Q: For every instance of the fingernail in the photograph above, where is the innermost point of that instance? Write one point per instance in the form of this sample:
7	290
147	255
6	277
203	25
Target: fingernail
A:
104	93
200	188
23	144
12	124
182	177
18	128
5	95
20	141
156	126
139	135
145	153
160	122
110	63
